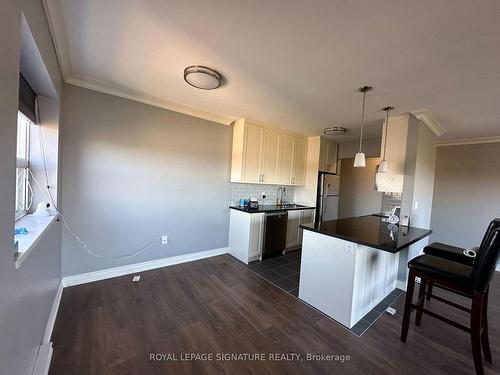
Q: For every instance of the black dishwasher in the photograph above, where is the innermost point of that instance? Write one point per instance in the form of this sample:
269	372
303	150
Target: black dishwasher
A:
274	234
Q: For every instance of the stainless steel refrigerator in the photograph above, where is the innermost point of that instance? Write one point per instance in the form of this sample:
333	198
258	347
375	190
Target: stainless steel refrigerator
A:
327	207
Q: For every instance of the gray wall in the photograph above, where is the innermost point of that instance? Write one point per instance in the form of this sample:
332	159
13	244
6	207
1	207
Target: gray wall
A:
466	193
26	294
371	148
132	173
358	196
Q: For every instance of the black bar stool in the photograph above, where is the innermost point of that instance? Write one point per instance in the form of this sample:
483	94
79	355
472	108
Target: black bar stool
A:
456	254
470	281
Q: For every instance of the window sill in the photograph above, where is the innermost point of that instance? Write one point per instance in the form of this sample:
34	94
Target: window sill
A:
25	243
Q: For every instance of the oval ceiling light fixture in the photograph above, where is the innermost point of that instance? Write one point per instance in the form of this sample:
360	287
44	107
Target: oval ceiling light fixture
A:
335	130
202	77
359	159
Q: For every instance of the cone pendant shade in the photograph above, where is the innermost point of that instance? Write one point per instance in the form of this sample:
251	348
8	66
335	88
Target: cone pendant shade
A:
359	160
383	167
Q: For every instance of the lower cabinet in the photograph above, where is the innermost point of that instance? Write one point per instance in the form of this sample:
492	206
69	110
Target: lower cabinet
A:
246	232
246	235
292	229
293	232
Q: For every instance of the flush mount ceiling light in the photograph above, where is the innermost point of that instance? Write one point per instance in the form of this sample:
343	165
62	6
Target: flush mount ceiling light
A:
335	130
202	77
359	160
383	167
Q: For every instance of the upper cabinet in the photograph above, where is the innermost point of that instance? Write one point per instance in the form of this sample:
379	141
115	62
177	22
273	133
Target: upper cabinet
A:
267	156
328	156
299	161
397	134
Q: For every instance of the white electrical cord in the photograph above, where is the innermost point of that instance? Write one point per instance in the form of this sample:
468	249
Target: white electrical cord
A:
82	243
73	234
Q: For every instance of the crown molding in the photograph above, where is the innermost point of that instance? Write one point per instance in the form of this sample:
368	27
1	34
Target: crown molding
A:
186	110
426	116
57	29
469	141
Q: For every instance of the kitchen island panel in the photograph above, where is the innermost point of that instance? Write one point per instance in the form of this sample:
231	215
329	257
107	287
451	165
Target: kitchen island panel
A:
343	279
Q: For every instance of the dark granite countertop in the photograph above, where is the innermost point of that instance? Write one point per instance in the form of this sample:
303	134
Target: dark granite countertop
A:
273	208
370	231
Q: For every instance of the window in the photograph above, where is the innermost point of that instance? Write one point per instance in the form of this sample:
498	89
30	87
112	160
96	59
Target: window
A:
23	192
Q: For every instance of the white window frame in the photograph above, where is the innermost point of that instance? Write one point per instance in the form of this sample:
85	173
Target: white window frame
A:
23	163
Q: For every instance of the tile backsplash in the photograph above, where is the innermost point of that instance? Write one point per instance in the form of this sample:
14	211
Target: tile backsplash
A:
255	191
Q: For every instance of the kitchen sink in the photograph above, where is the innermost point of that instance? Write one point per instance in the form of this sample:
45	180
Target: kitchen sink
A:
292	205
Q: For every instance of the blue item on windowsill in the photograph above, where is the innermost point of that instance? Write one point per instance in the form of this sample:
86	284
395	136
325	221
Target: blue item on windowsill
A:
21	230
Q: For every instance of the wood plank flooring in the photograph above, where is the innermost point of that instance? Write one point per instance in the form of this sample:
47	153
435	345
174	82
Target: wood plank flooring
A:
216	306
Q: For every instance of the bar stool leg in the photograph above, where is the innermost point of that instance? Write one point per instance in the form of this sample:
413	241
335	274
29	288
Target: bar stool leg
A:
408	301
421	300
429	291
476	315
485	342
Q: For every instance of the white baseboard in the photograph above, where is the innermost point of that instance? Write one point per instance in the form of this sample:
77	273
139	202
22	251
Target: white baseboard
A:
401	285
42	362
139	267
53	314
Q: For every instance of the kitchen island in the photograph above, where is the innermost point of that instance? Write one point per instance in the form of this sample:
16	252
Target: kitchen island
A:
349	265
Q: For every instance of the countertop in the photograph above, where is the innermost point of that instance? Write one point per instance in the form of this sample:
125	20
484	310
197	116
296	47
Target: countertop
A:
370	231
272	208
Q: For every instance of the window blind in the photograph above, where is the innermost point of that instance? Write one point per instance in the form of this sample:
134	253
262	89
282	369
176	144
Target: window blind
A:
27	98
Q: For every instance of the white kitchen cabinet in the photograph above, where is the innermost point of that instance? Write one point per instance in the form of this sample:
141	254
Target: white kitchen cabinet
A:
328	156
267	156
293	231
306	217
246	232
397	135
252	153
299	161
285	159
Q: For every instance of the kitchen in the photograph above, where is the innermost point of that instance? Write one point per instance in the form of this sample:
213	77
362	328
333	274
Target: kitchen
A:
333	209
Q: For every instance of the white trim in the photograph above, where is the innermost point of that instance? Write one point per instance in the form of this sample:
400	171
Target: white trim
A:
155	102
426	116
53	314
139	267
55	20
401	285
469	141
42	361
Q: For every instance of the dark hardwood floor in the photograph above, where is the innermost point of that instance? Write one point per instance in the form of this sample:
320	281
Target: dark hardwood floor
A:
216	305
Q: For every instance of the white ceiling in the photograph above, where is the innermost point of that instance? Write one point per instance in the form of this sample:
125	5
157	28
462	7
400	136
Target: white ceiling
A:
293	64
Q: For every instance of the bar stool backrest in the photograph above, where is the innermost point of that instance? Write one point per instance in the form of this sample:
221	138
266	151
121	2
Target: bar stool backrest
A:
486	261
494	224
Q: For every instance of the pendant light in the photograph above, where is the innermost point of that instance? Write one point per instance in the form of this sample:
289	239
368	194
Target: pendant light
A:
359	160
383	167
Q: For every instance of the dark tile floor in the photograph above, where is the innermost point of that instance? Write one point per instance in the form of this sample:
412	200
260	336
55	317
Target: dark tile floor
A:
284	272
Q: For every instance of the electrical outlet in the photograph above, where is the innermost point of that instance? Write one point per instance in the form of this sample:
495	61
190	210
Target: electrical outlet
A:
349	248
263	195
164	240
